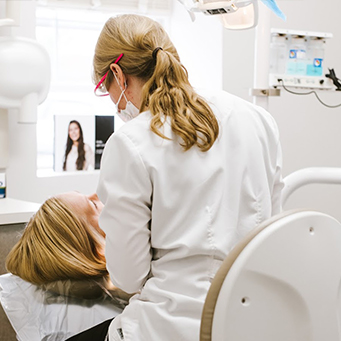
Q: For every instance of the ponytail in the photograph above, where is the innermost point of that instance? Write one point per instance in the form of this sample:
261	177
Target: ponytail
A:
167	91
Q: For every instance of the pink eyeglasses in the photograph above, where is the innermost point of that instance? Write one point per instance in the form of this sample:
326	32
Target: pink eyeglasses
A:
104	77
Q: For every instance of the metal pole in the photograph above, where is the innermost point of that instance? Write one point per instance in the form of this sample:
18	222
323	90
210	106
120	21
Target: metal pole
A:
3	138
262	55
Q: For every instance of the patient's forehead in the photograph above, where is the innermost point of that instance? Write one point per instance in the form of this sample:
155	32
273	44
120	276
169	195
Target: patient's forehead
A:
86	206
71	196
76	201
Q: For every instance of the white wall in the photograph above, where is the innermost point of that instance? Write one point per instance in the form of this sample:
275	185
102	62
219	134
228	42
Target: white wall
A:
310	132
199	45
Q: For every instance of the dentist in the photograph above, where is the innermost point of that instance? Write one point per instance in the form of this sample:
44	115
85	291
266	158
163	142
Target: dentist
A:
182	182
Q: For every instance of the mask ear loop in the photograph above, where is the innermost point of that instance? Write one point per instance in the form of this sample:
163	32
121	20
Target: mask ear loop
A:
123	90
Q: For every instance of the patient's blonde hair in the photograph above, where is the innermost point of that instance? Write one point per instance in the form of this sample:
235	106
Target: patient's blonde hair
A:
167	89
56	245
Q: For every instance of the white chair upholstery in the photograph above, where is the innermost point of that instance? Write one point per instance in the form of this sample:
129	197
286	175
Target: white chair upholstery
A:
36	314
282	282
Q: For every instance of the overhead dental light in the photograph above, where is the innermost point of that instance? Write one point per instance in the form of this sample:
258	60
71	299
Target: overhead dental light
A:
244	16
234	14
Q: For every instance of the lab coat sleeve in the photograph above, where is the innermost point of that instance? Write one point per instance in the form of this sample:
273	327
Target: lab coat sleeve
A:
125	189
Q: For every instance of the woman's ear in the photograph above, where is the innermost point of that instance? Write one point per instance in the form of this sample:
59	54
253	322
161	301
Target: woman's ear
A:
118	74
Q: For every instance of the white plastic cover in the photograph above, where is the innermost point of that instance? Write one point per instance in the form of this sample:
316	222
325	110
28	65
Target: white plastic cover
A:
24	76
285	284
36	314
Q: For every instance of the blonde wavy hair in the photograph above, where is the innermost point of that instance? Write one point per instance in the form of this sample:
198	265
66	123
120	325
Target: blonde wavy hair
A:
57	245
167	90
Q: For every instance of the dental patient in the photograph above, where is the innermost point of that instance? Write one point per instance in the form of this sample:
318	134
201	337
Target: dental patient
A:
62	249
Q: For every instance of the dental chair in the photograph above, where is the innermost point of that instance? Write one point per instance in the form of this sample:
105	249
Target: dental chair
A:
280	283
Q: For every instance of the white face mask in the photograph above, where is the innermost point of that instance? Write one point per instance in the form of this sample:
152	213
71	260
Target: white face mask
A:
130	110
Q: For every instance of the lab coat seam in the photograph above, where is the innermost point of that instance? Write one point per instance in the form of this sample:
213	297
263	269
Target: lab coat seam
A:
213	248
136	152
259	211
209	229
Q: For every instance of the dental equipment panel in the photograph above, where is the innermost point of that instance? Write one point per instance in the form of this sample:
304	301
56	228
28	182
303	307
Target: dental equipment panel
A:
297	59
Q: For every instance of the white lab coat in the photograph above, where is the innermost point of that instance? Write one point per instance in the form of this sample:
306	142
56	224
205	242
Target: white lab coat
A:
171	217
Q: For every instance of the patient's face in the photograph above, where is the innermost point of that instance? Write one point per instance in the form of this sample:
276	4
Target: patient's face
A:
87	206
